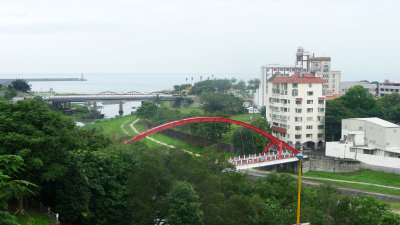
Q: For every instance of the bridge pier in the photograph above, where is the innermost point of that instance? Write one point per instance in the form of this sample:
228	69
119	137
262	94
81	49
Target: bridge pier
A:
95	106
121	109
88	104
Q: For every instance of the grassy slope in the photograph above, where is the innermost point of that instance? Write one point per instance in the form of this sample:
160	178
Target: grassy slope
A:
34	217
113	126
363	175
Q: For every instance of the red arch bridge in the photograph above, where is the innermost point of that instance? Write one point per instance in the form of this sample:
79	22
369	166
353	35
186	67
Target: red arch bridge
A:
283	153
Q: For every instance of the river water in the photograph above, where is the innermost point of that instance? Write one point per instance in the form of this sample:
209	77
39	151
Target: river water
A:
120	83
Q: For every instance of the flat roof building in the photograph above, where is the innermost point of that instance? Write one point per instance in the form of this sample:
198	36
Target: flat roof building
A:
370	140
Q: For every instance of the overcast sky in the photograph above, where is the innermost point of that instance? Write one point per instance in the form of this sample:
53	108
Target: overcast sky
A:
225	36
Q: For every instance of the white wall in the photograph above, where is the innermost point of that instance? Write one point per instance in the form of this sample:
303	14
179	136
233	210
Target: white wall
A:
342	150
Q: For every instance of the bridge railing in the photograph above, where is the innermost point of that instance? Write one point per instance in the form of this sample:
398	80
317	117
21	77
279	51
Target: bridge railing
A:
258	158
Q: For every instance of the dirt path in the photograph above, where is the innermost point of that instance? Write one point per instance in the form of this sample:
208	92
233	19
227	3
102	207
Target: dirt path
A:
131	125
122	127
150	138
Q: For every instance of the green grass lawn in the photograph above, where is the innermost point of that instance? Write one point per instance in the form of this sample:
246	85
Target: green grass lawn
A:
247	118
361	187
168	140
188	110
35	218
363	175
113	126
394	205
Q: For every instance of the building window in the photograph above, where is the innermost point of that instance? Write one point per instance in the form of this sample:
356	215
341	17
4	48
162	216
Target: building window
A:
309	135
297	136
310	85
295	92
298	110
309	110
320	135
298	102
321	109
310	93
325	76
321	127
326	68
309	101
309	127
298	119
320	101
321	118
297	127
309	118
294	85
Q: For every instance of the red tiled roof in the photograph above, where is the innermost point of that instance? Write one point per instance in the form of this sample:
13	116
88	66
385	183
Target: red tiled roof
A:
295	78
278	129
320	59
334	96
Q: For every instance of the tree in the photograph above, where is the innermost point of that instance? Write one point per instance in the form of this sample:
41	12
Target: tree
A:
391	104
263	111
184	205
211	86
147	110
228	104
21	85
11	188
157	100
361	102
253	84
335	112
247	141
241	85
41	137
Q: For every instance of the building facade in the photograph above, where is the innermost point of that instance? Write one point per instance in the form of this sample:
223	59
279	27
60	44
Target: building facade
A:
296	109
359	141
346	85
387	88
305	62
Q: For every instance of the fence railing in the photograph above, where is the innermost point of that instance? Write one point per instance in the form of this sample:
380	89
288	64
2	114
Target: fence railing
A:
45	210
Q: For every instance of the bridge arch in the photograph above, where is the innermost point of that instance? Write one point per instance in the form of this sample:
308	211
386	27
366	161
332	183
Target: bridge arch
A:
107	93
134	93
273	140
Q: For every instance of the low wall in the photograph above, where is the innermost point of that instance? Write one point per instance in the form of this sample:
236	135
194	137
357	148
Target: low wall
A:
330	164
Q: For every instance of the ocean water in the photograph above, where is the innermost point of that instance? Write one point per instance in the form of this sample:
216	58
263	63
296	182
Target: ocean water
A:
119	83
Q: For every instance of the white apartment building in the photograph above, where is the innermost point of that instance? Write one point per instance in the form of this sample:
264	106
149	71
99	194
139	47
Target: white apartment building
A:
305	62
387	88
346	85
370	140
296	109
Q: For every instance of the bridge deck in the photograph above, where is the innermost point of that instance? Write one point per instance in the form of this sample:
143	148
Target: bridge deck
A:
260	160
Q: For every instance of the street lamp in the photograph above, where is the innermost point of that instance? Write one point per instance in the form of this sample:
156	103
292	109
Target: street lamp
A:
300	158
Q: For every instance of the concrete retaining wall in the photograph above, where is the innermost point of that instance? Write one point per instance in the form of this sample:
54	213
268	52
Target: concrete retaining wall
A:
329	164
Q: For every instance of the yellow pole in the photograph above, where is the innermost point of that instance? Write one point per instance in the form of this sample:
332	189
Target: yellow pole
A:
299	194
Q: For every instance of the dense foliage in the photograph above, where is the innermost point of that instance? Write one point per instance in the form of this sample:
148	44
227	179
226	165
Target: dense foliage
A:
358	103
89	180
246	141
228	104
21	85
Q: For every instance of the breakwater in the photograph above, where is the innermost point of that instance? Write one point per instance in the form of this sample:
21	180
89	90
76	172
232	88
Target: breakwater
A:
8	81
